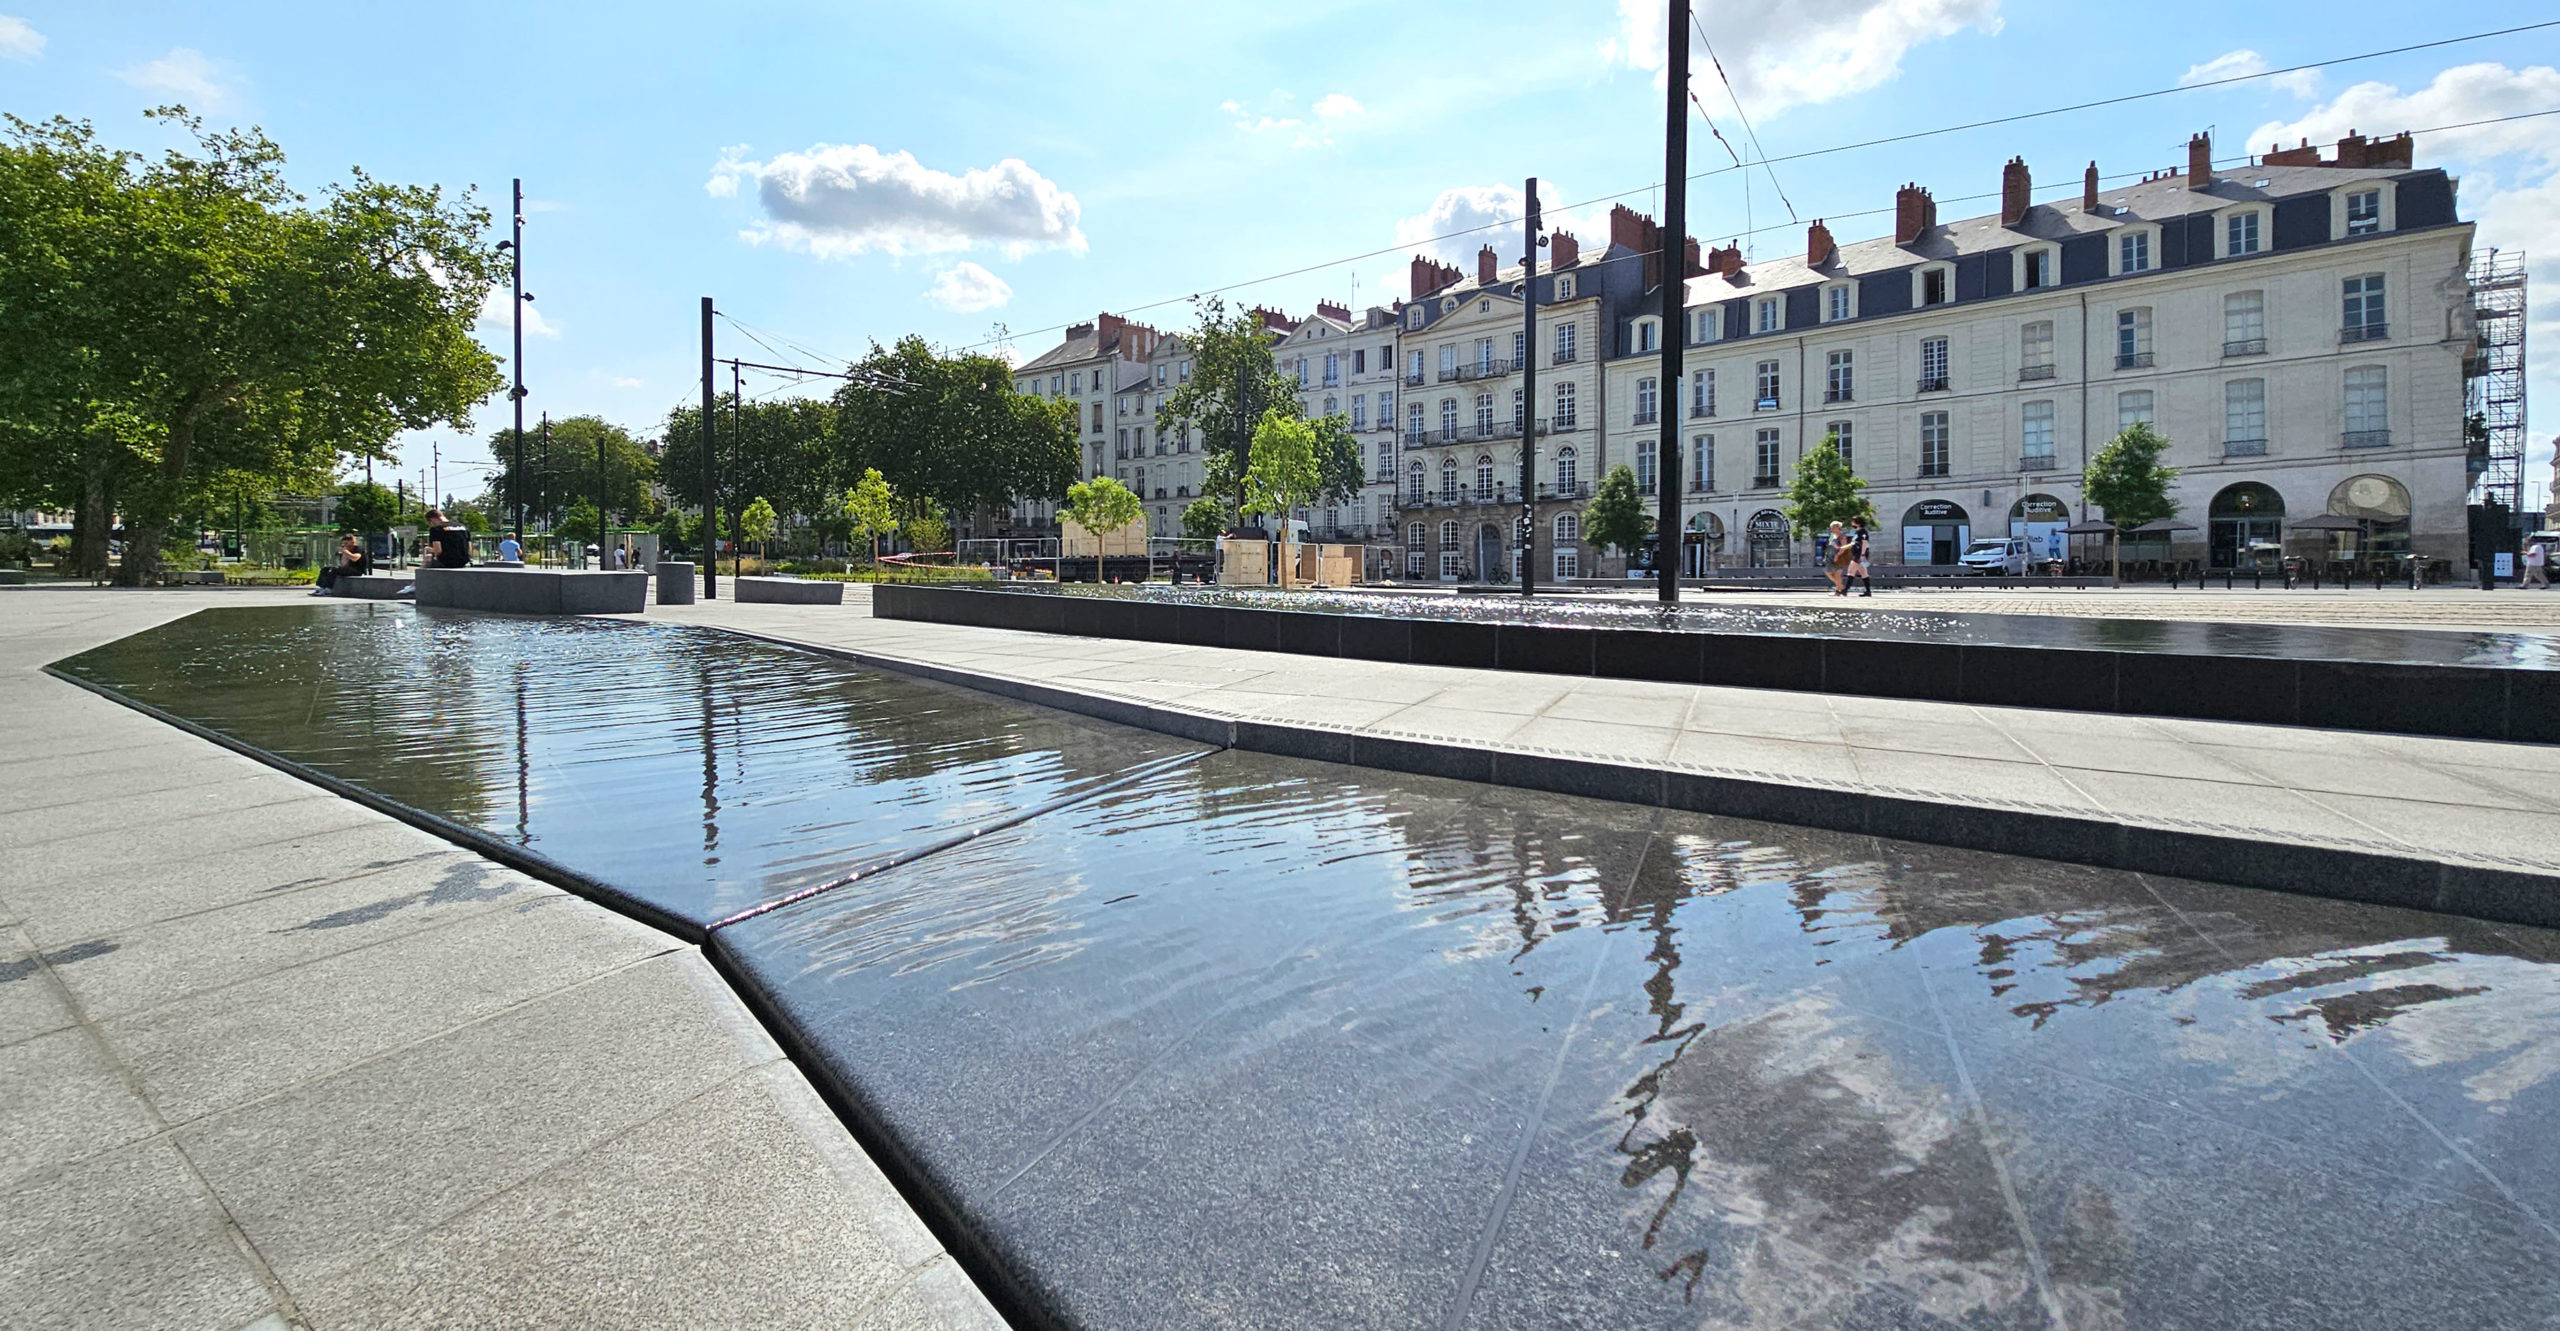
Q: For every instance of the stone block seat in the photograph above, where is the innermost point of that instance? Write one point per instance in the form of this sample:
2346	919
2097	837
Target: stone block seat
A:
532	591
789	591
374	587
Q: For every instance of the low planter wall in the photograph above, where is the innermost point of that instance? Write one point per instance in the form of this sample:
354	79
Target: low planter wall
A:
373	587
787	591
2460	702
528	591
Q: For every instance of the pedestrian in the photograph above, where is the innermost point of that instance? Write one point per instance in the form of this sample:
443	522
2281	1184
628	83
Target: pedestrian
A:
509	551
2537	562
448	543
1835	561
621	558
1861	558
351	562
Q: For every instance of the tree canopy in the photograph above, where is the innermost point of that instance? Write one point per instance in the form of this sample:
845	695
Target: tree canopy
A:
779	450
951	430
562	470
1825	491
872	509
1615	518
1102	506
2127	480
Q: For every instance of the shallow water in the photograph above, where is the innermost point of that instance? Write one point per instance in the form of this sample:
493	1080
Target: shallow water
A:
1887	621
1255	1042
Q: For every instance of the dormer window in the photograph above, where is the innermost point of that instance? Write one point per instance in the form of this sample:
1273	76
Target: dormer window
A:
1413	317
1564	288
1933	285
2364	212
1839	301
2038	268
2133	252
2243	233
1647	338
1449	305
1707	326
1767	315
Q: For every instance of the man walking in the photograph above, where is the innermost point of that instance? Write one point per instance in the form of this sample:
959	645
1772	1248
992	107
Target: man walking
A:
2537	562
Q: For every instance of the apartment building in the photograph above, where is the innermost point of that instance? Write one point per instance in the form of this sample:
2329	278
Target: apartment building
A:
1345	365
2299	329
1463	344
1088	370
1160	463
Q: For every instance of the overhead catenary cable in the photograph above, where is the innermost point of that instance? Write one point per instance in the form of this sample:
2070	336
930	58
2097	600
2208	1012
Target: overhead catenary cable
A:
1739	114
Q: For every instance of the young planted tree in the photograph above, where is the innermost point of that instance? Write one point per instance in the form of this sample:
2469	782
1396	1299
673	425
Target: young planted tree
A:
1616	519
757	524
1825	491
1204	520
925	527
579	524
1100	505
367	508
872	507
1283	471
672	531
2127	480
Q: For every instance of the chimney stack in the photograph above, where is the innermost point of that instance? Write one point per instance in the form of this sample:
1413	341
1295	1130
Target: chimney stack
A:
1914	212
1727	260
1689	265
2199	161
1563	251
2089	190
1429	277
2014	190
1818	246
1334	310
1487	264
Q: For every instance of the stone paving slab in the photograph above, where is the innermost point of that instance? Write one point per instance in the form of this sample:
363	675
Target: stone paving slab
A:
271	1059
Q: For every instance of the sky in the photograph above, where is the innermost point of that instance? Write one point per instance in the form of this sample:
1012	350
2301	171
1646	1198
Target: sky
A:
838	175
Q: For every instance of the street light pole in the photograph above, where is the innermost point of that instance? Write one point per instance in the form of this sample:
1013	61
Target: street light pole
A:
1674	268
710	474
515	252
1528	367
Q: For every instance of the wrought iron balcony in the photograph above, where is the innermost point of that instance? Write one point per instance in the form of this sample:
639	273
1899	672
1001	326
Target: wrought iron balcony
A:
2244	448
1832	395
1417	436
2133	360
2030	373
2035	462
1486	369
1414	378
1701	410
1646	418
2365	439
1932	384
1764	482
1564	356
1566	426
2247	346
2364	332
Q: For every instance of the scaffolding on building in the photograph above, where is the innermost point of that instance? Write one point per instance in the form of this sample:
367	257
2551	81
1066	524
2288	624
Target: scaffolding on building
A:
2494	410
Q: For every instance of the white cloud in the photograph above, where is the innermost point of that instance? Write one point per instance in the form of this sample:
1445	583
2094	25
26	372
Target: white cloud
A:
1267	124
1782	53
2244	62
185	74
837	200
493	316
1462	221
18	41
966	287
1335	105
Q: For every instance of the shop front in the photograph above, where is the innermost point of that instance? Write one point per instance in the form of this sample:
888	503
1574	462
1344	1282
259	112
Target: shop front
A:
1935	531
2040	520
2246	526
2380	506
1772	545
1704	545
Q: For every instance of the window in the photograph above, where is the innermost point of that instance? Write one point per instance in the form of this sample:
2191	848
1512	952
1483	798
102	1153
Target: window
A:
1413	537
2368	407
2244	323
1448	419
1933	365
1484	356
1936	285
1520	410
1706	326
1332	406
1448	361
1845	434
2133	252
2035	270
1057	384
1386	462
1413	368
1645	335
1359	411
1097	418
2244	418
1186	371
1764	460
1519	351
1449	492
1933	443
1484	476
1449	565
2035	350
1645	465
1449	535
2364	212
2132	407
2240	234
1836	303
1415	484
1568	562
1484	415
1075	382
2133	338
1386	408
1332	369
2035	436
1413	317
1567	463
1359	365
1840	380
1413	423
1764	315
1702	463
1564	288
1648	402
1766	378
1564	344
1702	393
2364	314
1564	408
1160	374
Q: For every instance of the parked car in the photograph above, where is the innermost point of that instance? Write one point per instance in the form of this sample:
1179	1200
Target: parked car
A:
1996	557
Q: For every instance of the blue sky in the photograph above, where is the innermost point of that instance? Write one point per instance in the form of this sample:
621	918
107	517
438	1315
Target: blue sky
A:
837	174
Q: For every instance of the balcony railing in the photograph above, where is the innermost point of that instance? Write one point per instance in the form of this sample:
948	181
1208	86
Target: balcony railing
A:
1933	469
1764	482
1701	410
1414	378
1487	369
1932	384
1448	373
2364	332
2133	360
2244	448
1646	417
1832	395
2247	346
1576	490
1566	426
1417	436
2035	462
1564	356
2029	373
1448	434
2365	439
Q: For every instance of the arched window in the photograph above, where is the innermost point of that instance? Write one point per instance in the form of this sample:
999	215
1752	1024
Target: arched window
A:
1484	415
1568	528
1414	481
1564	408
1484	476
1448	419
1566	463
1449	480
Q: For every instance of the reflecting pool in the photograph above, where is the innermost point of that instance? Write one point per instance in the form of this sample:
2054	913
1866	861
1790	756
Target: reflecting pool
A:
1244	1041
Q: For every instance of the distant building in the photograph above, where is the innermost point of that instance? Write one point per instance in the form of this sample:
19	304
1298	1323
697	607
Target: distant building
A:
1345	365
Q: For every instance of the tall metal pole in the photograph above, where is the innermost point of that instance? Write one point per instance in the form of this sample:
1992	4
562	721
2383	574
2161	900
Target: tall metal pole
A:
1528	367
738	433
601	533
1674	267
515	475
710	475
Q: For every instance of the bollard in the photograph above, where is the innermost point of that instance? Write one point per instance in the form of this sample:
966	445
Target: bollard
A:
2226	579
2257	579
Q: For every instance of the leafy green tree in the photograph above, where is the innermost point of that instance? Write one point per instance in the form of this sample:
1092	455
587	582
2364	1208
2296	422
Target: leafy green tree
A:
366	507
2127	480
757	524
872	507
1234	382
925	527
673	532
1204	520
1615	519
578	524
776	449
562	469
950	431
1825	491
1284	470
1102	506
477	518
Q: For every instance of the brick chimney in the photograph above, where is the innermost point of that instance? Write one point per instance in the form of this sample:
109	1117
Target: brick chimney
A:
1913	213
1818	246
2301	154
1487	264
2199	161
2089	190
1629	229
2014	190
1563	251
1277	321
1726	261
1332	310
1428	277
1689	265
1108	327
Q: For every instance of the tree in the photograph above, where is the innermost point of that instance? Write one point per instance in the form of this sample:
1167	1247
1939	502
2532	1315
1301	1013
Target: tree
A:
1825	491
1616	519
1101	505
562	470
578	524
366	507
925	528
779	450
673	531
756	524
1204	520
950	430
1283	471
872	507
1234	383
2127	480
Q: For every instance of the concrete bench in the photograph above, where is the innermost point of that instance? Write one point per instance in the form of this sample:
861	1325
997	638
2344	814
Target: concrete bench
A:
789	591
13	577
526	591
373	587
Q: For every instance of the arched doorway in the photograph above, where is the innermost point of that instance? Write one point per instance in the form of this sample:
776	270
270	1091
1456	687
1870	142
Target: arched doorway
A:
1772	545
2040	519
2381	504
1935	531
2244	517
1705	545
1490	565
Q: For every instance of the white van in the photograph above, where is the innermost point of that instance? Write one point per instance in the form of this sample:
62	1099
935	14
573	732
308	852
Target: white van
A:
1993	557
